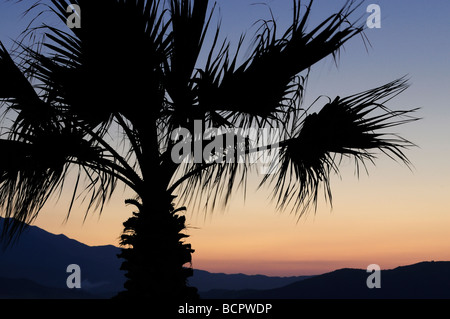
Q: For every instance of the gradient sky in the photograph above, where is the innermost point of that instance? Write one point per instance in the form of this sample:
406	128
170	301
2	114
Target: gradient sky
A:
391	217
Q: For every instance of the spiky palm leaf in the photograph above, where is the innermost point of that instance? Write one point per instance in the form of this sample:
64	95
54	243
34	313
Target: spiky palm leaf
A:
266	85
353	127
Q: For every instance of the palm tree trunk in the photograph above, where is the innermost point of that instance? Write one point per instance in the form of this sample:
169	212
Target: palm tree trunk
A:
156	257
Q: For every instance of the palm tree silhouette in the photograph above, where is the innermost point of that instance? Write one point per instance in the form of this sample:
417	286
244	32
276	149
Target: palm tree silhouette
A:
136	67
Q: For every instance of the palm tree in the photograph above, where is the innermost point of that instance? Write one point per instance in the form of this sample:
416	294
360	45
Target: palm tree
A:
135	67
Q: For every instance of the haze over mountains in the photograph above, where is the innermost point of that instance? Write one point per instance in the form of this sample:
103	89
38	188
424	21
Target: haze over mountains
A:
42	257
35	267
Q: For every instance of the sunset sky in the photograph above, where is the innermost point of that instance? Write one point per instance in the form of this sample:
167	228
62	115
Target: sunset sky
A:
391	217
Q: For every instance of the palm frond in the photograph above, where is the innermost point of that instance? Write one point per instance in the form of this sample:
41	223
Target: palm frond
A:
190	22
35	167
264	85
217	162
14	86
80	65
25	182
353	127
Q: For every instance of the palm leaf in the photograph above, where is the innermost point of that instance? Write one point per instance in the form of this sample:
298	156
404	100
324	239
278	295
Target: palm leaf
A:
36	166
251	89
25	182
14	86
190	22
354	127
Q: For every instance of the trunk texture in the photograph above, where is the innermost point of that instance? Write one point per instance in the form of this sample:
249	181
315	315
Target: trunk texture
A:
157	260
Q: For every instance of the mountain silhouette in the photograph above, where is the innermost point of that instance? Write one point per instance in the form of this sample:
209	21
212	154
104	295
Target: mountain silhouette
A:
35	267
424	280
212	284
43	257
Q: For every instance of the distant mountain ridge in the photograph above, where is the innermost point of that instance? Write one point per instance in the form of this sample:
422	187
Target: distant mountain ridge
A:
35	267
424	280
43	257
207	282
40	259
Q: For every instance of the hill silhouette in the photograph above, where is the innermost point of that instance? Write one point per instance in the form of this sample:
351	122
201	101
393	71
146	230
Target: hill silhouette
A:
43	257
35	267
212	284
425	280
37	263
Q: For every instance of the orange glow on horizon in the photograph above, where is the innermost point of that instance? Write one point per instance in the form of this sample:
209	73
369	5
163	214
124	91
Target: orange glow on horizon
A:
387	218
